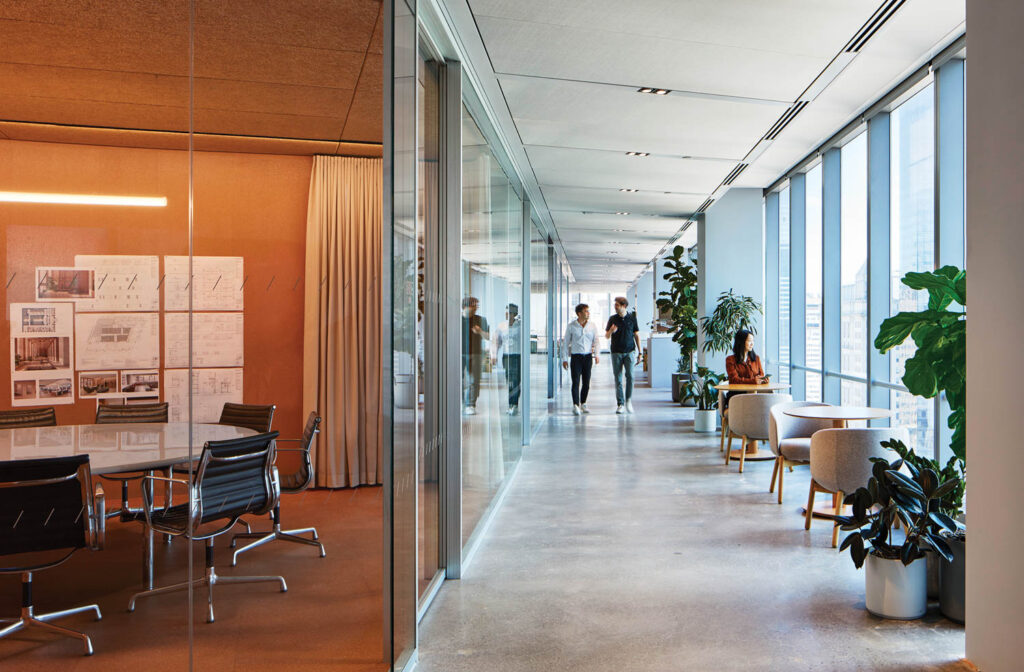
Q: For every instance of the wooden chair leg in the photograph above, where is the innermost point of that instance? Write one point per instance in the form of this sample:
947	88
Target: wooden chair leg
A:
810	506
725	431
775	472
728	448
839	512
743	453
782	469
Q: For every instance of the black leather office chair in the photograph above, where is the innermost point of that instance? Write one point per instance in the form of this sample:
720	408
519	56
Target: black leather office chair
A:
47	508
109	414
129	414
34	417
290	484
234	478
255	417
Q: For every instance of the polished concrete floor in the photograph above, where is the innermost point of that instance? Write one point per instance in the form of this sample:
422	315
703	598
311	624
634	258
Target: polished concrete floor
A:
625	544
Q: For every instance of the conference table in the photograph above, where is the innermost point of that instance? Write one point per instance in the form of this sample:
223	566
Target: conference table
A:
119	448
753	453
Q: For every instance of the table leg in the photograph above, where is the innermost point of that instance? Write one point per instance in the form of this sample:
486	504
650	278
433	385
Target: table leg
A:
147	544
839	424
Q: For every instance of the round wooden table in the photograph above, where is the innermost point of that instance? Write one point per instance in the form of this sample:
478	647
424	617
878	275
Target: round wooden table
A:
839	415
753	450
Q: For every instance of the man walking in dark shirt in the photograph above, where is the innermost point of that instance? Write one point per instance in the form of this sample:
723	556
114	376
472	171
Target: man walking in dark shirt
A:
474	332
623	332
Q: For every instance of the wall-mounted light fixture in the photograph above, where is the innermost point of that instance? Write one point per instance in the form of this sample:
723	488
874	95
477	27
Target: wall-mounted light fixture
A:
82	199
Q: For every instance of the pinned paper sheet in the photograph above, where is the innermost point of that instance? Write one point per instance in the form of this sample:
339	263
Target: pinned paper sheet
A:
217	283
123	283
217	339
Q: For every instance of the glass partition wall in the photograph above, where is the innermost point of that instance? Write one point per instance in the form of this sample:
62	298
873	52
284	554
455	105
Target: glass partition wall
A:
888	225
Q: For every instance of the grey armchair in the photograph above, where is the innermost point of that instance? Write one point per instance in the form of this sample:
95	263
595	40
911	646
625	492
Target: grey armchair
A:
790	439
749	419
841	463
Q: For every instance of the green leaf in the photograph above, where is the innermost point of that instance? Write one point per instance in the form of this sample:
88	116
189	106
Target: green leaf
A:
895	330
920	377
904	483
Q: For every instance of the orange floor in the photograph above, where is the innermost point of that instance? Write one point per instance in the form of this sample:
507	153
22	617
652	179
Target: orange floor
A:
330	618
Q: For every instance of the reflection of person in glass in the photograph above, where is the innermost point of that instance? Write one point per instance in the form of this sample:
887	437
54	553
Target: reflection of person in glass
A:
474	333
508	334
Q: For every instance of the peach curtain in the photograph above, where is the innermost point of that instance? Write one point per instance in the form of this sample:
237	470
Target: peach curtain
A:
342	353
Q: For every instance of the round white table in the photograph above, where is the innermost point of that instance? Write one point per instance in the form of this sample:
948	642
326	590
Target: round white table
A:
118	448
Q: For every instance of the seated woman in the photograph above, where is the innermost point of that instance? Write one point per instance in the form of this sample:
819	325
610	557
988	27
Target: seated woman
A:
743	365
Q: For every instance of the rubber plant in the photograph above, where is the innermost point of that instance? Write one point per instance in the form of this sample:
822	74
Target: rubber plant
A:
732	313
680	302
890	495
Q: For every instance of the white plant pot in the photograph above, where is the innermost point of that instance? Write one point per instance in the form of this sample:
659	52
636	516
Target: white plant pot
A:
895	590
705	421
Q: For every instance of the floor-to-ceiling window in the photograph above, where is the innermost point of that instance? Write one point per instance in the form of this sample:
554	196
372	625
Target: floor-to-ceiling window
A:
784	293
912	241
853	271
491	296
539	337
813	285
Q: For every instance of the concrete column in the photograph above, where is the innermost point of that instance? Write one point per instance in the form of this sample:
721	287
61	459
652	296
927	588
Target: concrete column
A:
731	255
995	238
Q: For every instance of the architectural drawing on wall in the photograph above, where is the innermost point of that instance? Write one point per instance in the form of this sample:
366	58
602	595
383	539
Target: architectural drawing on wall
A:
140	383
56	391
217	339
23	393
105	341
65	284
40	353
211	389
97	384
123	283
42	319
218	283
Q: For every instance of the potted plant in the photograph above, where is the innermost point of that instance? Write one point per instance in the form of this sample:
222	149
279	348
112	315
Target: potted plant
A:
732	313
679	380
945	579
939	365
895	578
678	305
701	389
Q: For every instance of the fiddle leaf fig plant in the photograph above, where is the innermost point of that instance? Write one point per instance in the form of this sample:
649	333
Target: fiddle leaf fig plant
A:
733	312
701	388
940	334
680	303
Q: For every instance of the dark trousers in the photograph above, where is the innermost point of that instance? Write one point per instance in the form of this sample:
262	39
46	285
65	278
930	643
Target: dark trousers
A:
472	370
514	377
579	367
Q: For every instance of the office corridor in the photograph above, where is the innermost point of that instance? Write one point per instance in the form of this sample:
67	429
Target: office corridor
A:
626	544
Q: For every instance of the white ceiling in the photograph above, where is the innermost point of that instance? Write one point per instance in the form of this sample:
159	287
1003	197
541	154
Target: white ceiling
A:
569	72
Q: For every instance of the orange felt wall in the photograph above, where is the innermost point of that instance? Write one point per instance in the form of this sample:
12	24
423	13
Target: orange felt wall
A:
248	205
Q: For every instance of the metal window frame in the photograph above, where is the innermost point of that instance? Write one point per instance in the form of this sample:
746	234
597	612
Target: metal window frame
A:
831	292
771	284
798	283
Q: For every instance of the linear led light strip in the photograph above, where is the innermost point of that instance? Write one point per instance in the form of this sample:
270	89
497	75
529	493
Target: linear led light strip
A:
82	199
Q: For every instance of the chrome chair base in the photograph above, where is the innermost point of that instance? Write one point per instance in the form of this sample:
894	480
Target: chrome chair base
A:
42	622
209	580
276	534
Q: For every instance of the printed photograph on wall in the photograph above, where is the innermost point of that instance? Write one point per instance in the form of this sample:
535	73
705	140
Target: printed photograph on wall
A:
65	284
140	383
24	391
56	389
45	353
97	384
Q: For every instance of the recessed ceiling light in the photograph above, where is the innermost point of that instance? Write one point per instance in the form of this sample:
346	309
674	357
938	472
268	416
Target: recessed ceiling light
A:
638	153
657	92
645	89
629	191
621	213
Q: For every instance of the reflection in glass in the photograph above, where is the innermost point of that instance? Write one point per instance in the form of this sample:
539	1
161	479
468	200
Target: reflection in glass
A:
784	291
491	270
853	309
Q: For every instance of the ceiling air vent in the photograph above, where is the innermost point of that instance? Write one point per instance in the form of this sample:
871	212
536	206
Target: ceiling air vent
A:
705	205
877	20
784	120
731	177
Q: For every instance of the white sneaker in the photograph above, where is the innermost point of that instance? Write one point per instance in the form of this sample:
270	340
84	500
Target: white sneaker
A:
576	409
620	410
583	407
470	410
512	410
629	405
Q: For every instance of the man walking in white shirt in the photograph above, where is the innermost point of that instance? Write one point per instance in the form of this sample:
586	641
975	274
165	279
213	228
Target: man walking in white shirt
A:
579	354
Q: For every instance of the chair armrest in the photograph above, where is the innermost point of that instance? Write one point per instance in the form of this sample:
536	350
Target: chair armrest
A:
98	525
147	504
